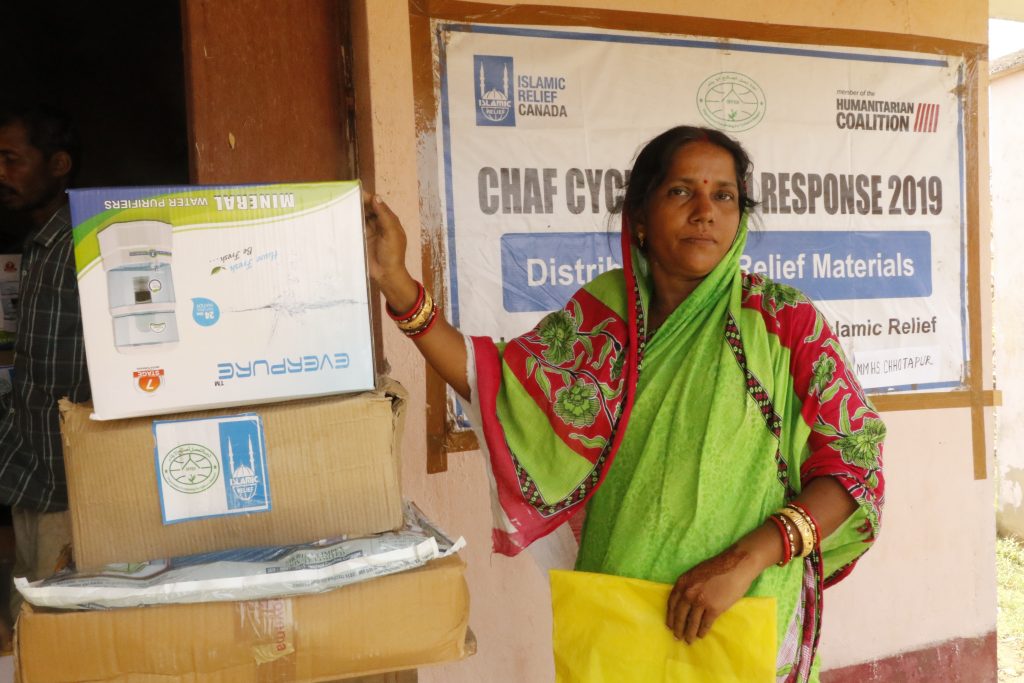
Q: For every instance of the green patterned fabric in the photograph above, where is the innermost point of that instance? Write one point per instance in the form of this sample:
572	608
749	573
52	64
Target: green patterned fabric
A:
695	471
697	468
716	421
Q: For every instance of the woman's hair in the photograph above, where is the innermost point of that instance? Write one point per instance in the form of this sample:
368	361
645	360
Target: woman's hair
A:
655	159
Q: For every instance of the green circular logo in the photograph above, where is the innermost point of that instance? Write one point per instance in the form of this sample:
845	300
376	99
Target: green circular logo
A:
190	468
731	101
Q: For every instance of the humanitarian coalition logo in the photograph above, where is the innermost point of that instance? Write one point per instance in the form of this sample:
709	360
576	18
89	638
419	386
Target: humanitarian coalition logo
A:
495	94
190	468
927	118
731	101
862	110
244	462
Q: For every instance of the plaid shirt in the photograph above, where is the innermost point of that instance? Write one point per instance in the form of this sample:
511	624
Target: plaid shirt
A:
49	363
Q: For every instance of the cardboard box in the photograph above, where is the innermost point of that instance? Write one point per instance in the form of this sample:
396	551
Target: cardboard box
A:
331	468
201	297
10	272
395	622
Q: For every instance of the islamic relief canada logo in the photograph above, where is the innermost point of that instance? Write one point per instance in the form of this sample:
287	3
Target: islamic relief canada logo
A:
494	89
730	101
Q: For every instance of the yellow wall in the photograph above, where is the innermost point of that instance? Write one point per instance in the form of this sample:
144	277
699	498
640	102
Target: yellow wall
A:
931	577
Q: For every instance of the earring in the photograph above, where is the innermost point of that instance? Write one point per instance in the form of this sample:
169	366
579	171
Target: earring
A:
640	239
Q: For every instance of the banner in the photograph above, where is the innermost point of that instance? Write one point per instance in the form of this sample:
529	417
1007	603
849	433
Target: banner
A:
858	168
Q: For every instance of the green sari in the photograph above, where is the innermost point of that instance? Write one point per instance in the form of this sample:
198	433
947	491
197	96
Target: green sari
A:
691	437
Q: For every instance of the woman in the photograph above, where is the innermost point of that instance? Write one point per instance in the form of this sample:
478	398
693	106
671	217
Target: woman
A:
707	415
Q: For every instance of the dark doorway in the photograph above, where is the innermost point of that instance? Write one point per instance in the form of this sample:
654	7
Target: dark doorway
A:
116	67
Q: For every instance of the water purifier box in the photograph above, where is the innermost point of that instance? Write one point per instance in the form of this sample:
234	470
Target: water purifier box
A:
10	267
216	296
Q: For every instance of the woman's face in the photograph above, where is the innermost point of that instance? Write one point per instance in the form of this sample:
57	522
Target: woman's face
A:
691	218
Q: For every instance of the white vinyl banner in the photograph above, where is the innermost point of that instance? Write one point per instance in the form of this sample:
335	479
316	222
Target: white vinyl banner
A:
858	168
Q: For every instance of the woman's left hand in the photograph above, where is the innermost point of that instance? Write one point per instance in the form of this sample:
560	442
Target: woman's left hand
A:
702	594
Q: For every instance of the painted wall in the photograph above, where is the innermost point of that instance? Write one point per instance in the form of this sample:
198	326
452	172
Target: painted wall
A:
1006	92
931	577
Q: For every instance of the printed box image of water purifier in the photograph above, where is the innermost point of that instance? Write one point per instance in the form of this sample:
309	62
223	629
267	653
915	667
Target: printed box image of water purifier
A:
136	256
197	297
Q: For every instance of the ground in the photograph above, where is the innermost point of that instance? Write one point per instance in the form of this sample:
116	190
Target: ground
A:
1010	619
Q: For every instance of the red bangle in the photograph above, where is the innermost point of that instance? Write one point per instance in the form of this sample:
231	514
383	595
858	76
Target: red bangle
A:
787	547
810	518
411	313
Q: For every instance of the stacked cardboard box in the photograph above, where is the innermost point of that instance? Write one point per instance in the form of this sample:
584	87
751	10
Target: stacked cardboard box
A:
209	477
199	297
332	469
394	622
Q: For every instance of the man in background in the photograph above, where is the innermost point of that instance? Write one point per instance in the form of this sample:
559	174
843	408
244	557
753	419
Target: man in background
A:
38	153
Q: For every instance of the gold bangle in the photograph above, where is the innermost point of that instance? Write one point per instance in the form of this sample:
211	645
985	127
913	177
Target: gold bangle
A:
804	529
425	327
810	523
421	317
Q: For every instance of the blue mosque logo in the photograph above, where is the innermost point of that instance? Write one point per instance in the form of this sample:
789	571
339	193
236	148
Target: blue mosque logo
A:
244	465
495	98
244	480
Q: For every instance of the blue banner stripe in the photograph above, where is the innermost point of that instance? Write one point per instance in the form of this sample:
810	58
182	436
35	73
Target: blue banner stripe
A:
540	272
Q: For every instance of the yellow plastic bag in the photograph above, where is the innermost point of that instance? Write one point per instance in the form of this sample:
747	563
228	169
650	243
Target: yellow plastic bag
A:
608	629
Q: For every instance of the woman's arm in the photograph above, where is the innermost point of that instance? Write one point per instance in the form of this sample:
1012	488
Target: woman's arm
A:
702	594
443	346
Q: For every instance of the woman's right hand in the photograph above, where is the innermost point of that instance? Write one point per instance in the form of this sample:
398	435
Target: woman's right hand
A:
386	244
443	346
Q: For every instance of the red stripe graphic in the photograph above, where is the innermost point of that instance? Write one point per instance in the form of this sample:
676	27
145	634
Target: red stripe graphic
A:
926	119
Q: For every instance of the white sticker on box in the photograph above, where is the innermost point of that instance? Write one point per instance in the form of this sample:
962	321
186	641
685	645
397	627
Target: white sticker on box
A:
10	267
211	467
